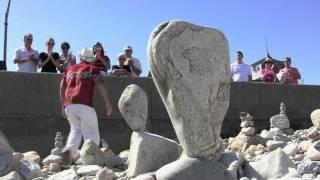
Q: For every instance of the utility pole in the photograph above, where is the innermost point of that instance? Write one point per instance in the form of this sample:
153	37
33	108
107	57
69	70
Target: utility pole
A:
4	63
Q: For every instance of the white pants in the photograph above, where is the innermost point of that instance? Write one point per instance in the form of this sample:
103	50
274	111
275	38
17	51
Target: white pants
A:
83	122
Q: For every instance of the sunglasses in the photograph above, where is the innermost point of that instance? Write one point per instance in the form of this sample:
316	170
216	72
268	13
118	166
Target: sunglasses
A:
65	48
51	44
28	39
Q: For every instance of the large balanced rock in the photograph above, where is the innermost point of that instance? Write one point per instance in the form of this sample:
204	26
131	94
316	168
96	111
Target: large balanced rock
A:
133	105
149	152
192	169
190	67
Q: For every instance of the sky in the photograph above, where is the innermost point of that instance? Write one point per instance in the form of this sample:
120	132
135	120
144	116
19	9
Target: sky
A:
292	27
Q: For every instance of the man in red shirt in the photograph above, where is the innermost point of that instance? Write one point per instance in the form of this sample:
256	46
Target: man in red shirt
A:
76	92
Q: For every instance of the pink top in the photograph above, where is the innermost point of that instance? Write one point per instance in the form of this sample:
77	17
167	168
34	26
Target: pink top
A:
267	75
292	75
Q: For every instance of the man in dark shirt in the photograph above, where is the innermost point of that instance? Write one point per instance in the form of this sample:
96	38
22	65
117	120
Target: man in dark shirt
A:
49	61
121	69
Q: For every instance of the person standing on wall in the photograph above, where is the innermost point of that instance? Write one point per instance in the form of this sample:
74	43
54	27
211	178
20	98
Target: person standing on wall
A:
240	71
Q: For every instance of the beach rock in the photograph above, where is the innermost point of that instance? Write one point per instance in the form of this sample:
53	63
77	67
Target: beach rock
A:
105	174
246	124
32	156
5	147
149	152
29	170
90	154
242	142
12	176
88	170
280	121
192	169
53	167
272	145
291	149
313	154
233	162
308	167
191	70
69	174
315	118
133	105
52	159
276	164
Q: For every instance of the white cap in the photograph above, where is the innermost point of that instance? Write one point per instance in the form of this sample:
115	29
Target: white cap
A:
127	48
87	55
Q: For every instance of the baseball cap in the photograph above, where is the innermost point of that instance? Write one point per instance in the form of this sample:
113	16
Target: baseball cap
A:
87	55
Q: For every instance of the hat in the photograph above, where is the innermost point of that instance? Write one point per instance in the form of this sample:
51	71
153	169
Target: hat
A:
127	48
287	59
87	55
268	60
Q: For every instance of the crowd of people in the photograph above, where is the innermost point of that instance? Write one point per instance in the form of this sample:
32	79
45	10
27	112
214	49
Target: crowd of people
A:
241	72
29	59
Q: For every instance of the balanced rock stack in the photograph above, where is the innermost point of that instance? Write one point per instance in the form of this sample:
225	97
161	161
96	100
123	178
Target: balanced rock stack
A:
281	120
191	70
247	124
246	137
148	152
56	154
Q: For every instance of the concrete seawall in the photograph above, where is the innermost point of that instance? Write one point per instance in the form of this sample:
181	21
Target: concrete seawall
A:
30	111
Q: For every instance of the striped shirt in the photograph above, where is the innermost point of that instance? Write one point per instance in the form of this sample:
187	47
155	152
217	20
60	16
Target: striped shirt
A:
240	72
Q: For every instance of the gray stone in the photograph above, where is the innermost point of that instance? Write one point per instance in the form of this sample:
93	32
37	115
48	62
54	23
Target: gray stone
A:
90	154
88	170
147	176
242	142
69	174
313	132
110	158
133	105
12	176
149	152
315	118
32	156
276	164
233	162
53	167
313	154
244	178
291	149
280	121
29	170
191	70
248	131
281	137
9	162
272	145
52	159
308	167
5	147
192	169
105	174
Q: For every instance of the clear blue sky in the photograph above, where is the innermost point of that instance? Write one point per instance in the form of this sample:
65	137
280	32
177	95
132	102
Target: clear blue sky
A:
292	26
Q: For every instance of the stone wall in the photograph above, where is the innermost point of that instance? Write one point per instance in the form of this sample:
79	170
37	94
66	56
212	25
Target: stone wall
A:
30	109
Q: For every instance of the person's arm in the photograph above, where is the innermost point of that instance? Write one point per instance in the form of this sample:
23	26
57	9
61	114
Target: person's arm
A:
41	60
296	74
263	74
104	62
104	94
250	73
133	67
62	96
55	60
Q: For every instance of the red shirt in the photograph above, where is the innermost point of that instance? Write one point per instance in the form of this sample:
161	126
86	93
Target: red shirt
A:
79	82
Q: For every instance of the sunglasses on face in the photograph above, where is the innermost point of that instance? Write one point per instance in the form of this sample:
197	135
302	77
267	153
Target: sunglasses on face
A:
28	39
51	44
64	48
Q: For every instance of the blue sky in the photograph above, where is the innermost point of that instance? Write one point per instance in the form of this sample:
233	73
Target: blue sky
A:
292	26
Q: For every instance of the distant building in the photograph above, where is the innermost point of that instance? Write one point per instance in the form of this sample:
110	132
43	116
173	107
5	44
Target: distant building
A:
257	66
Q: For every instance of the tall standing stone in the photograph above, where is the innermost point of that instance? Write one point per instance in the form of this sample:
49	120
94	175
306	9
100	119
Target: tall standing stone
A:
191	69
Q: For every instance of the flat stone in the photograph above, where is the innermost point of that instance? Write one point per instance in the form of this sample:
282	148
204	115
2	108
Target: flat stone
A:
69	174
315	118
272	145
191	70
149	152
52	159
133	105
88	170
280	121
193	169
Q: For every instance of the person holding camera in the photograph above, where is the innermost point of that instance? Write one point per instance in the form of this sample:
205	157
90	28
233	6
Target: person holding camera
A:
132	62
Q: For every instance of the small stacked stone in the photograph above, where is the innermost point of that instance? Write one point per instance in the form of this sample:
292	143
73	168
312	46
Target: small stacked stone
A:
58	144
281	120
247	124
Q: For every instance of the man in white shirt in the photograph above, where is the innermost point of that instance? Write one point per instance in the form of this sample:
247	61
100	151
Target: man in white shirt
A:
26	57
239	70
134	63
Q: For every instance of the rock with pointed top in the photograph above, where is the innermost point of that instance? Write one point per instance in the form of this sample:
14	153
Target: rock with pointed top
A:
315	118
133	105
191	70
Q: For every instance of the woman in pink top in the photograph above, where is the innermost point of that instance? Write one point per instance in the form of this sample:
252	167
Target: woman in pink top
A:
267	74
103	61
292	74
